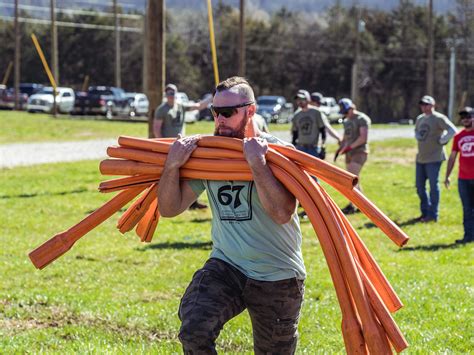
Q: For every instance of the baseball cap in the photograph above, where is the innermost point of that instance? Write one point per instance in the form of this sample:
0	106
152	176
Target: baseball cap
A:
427	100
316	96
345	105
303	94
466	111
170	87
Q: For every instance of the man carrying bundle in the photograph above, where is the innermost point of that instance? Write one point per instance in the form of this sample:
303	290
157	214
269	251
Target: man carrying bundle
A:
256	261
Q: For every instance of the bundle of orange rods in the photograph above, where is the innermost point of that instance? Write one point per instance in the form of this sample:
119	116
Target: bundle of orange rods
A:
365	296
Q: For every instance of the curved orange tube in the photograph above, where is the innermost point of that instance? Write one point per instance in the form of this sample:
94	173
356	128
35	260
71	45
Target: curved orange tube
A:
53	248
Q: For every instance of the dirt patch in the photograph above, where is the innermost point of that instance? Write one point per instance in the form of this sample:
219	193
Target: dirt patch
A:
41	317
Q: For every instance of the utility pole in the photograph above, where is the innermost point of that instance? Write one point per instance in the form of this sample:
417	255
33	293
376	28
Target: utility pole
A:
145	51
54	53
360	27
242	39
16	74
54	42
430	59
118	81
155	57
452	76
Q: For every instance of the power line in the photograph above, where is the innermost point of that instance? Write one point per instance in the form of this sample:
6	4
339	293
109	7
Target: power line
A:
73	24
72	11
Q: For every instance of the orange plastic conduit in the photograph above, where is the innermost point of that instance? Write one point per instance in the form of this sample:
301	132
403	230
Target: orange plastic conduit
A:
62	242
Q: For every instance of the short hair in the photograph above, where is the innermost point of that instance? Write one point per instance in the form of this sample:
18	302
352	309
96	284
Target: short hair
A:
237	85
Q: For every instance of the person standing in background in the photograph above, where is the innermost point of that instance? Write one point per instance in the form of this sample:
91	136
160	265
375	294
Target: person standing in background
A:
169	120
433	130
354	144
463	144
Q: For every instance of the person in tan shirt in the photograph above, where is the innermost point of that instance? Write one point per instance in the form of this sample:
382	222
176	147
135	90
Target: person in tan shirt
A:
433	130
354	143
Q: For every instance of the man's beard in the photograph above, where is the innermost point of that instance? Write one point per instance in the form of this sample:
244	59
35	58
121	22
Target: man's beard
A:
238	133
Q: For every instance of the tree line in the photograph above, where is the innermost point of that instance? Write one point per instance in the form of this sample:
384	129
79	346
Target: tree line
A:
286	51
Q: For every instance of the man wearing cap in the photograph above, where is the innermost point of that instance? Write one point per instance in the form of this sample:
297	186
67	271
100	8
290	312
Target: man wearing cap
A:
433	130
256	262
463	143
307	124
169	116
169	120
354	142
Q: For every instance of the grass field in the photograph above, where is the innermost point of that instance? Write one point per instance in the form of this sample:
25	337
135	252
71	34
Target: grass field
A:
112	294
29	127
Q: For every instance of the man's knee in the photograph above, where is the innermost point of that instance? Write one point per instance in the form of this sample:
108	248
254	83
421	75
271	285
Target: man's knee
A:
197	337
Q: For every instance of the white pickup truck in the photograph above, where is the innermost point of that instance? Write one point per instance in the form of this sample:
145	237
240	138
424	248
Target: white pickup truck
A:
330	107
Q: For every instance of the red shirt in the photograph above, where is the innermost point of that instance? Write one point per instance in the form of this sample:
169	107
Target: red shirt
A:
463	143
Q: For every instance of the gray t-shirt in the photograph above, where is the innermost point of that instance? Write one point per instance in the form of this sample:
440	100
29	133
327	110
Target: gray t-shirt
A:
243	234
352	131
172	117
428	131
308	124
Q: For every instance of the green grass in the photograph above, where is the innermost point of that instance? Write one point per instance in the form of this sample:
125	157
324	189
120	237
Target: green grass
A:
20	127
112	294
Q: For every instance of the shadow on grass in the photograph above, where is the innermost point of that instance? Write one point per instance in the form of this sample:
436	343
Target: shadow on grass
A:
178	245
59	193
201	220
432	247
409	222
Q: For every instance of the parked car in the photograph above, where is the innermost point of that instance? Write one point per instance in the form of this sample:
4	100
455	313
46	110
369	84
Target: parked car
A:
43	100
103	100
30	88
274	109
138	104
7	98
330	107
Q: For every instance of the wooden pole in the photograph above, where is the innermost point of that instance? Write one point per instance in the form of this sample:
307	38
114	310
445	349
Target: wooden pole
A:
54	53
118	64
16	74
242	39
213	42
430	54
7	73
155	57
356	64
85	83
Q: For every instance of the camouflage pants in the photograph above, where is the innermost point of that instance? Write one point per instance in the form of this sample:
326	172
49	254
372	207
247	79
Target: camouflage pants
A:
218	292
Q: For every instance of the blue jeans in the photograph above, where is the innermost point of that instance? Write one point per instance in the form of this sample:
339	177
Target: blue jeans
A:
429	205
466	192
311	150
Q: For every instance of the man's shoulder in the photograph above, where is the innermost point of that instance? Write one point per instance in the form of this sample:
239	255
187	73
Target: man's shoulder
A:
163	107
439	115
361	116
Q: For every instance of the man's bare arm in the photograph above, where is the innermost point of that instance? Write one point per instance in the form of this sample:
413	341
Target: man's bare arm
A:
449	169
277	201
175	196
333	133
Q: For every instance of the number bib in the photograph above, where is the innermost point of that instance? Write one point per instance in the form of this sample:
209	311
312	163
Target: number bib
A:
232	199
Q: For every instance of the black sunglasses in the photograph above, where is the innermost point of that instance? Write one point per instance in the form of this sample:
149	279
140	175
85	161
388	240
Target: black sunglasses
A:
228	111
